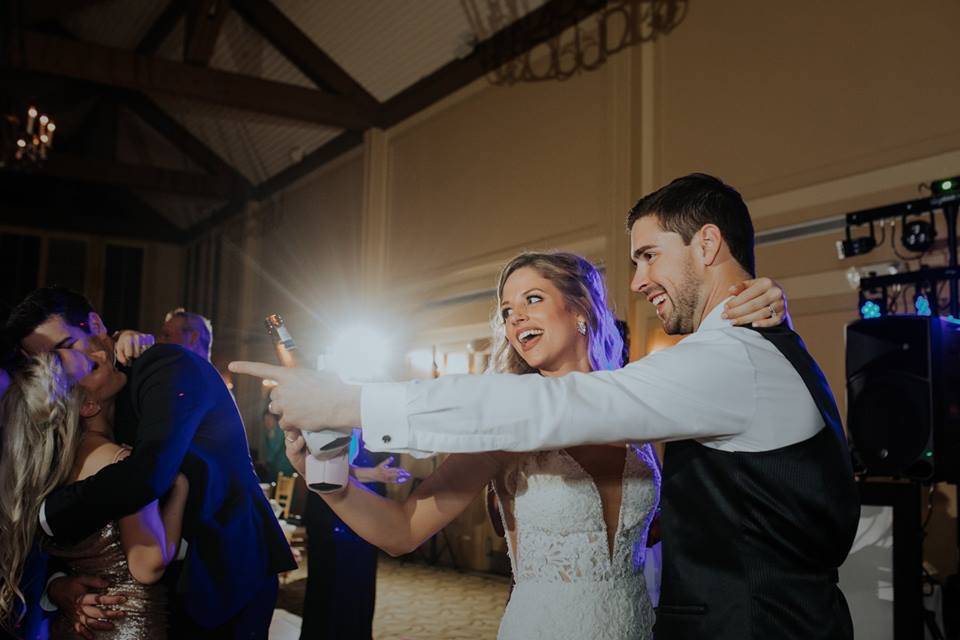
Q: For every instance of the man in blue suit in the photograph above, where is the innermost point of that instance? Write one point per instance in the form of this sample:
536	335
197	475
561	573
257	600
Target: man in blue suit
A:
178	416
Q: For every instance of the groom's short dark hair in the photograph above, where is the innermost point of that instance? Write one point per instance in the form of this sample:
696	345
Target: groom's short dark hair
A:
688	203
43	303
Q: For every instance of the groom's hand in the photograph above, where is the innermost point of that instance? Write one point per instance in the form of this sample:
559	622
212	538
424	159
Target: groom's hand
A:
78	601
308	400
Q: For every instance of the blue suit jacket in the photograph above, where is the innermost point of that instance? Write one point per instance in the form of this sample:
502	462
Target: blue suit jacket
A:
178	415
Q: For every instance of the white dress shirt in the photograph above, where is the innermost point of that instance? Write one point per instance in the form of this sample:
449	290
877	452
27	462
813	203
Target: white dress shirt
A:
724	386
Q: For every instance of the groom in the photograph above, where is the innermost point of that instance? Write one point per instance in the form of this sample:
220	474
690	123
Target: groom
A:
179	416
759	507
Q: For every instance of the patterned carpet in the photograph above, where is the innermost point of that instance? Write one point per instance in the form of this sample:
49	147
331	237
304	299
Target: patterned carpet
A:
419	602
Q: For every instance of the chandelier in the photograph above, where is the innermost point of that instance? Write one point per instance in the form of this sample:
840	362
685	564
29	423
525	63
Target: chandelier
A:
26	141
615	26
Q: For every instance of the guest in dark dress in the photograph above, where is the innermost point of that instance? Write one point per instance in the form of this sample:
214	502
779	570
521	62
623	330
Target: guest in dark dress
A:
342	566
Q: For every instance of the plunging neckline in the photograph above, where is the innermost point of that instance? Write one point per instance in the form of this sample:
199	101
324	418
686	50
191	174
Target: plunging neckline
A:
611	550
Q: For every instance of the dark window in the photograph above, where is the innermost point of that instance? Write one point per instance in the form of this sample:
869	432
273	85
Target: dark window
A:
67	263
20	266
121	287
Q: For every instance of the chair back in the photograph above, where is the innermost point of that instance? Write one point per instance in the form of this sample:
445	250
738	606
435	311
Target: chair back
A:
286	485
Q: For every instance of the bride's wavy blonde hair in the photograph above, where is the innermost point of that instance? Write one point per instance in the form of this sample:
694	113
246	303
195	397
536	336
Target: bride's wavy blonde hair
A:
40	425
582	287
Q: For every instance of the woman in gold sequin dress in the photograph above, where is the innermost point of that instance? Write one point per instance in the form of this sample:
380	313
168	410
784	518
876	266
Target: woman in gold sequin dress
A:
57	430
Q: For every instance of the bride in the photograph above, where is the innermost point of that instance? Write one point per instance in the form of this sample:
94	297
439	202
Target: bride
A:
576	520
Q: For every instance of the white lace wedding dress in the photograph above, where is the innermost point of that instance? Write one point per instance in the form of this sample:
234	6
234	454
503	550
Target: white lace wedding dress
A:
568	586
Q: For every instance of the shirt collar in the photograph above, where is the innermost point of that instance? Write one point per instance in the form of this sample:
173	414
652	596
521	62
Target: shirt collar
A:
713	320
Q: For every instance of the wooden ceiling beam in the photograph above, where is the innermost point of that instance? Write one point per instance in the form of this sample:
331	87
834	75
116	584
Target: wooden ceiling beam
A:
537	27
118	68
203	22
36	11
98	171
111	218
162	27
178	135
300	50
335	148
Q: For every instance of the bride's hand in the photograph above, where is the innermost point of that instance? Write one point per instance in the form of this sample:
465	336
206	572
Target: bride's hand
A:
760	303
296	450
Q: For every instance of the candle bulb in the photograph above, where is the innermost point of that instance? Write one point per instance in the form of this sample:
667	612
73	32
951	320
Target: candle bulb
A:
50	129
31	115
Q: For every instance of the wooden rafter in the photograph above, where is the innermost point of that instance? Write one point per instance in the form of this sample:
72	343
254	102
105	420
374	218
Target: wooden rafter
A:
531	30
300	50
162	27
523	35
118	68
97	171
333	149
181	137
36	11
203	21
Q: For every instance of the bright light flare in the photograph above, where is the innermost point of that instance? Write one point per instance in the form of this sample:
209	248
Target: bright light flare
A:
421	360
360	354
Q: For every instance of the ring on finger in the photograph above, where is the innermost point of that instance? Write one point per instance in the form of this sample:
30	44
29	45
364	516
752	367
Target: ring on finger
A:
773	312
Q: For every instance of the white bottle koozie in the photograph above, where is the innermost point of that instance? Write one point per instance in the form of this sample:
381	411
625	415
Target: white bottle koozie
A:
328	465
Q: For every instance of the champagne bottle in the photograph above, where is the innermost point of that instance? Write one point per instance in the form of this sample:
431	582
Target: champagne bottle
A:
328	465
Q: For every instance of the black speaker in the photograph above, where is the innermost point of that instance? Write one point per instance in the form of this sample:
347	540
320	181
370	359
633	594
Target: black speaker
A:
903	396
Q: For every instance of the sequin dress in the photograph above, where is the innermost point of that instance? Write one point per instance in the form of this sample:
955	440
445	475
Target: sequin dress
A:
101	554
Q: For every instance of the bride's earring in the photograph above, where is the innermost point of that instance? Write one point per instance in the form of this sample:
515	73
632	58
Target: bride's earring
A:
582	327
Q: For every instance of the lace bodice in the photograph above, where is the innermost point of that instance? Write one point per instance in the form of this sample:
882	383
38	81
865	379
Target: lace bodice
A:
568	584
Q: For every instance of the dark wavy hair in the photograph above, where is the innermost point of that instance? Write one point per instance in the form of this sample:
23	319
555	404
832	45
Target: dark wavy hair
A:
583	288
689	202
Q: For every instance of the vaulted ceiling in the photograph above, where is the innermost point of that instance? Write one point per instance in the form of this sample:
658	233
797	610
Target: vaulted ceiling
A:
172	115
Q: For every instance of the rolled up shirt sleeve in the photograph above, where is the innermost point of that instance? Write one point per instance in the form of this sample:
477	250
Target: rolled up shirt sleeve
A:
702	389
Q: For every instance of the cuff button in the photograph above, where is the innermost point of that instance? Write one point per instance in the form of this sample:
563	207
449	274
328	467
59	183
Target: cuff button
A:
386	439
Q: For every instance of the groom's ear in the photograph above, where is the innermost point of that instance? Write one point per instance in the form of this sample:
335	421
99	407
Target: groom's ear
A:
95	323
709	242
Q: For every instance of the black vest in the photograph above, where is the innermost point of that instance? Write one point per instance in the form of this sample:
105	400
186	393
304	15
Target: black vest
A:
752	541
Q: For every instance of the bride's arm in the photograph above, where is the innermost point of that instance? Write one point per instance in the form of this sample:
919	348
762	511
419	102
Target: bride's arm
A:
401	527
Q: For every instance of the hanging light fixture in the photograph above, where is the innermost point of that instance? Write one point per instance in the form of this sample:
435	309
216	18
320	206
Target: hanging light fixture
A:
27	141
583	43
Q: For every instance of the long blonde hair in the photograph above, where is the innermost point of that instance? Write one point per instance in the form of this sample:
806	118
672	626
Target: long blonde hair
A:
582	287
40	424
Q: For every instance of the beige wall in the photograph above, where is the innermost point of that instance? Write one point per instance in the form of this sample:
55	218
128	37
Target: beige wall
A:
812	110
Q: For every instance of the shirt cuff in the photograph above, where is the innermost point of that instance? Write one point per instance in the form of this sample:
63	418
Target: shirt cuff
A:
43	519
383	416
45	602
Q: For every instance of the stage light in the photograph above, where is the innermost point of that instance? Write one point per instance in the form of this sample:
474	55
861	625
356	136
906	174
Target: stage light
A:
922	305
360	354
855	247
948	185
869	310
